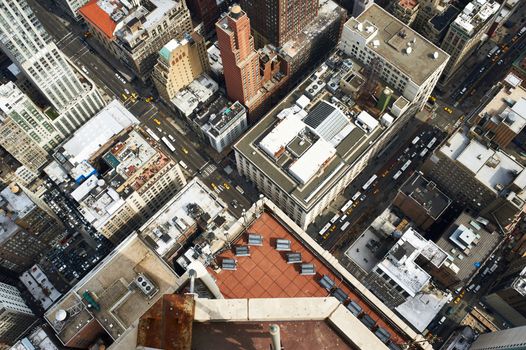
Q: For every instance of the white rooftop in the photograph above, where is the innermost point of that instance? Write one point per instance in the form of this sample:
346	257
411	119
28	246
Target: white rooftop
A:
513	80
490	167
399	264
40	287
18	203
475	14
367	121
197	92
110	121
421	309
463	237
282	134
312	160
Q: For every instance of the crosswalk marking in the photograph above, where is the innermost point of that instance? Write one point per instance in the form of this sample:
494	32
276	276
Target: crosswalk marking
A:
208	170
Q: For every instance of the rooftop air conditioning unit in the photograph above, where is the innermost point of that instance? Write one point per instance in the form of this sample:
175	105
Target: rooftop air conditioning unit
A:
145	285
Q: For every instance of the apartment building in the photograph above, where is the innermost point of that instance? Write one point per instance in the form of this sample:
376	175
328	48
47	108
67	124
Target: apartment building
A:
421	200
467	32
179	63
121	176
405	10
73	98
503	118
28	229
488	181
15	316
26	132
224	128
399	275
135	31
407	61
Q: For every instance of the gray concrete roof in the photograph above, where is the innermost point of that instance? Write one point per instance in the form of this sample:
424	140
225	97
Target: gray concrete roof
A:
419	64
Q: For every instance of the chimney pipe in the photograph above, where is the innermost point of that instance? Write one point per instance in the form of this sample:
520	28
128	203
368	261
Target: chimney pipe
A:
276	337
192	275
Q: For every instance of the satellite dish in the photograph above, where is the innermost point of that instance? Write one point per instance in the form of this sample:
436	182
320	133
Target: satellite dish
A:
61	315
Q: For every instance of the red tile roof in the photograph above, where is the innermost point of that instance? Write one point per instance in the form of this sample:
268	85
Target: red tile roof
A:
92	13
266	273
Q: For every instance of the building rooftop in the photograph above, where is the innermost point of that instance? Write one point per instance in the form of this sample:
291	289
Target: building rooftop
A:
495	169
468	244
137	22
104	14
38	284
111	295
295	335
13	205
95	133
400	262
421	309
508	107
123	167
10	94
426	194
194	205
266	273
475	15
222	121
398	44
37	339
199	91
315	114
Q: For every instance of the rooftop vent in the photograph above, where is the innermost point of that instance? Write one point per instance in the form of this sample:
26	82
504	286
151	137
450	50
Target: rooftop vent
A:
256	240
145	285
408	50
435	55
229	264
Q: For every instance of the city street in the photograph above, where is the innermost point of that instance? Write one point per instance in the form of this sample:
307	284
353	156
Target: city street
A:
372	201
98	65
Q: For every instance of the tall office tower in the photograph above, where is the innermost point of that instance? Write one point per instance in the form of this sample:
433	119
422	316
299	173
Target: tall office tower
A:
25	131
509	339
240	60
15	316
360	6
276	21
25	41
27	229
466	33
508	296
179	63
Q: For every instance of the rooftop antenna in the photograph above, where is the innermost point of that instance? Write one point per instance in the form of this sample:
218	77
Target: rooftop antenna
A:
192	275
276	337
